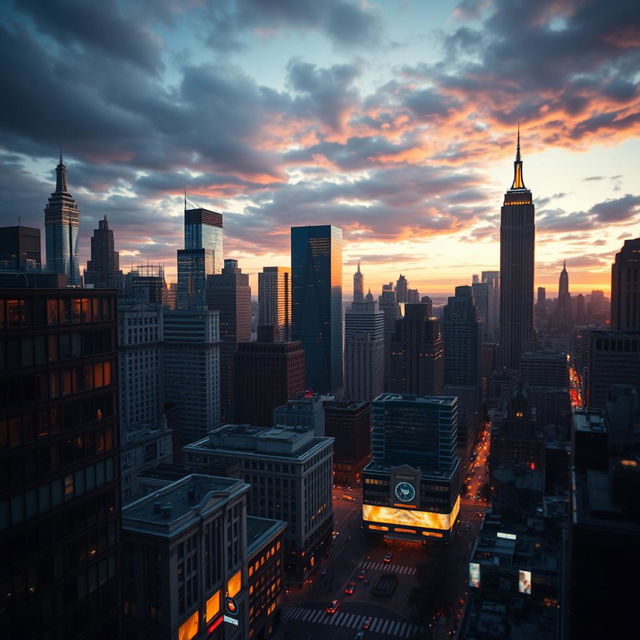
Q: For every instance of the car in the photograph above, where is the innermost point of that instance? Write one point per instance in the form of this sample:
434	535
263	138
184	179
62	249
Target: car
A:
387	557
359	635
362	574
366	623
350	588
334	605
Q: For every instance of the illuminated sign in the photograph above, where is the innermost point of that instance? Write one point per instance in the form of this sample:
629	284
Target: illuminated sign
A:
405	492
230	605
410	518
231	620
524	582
215	624
506	536
474	574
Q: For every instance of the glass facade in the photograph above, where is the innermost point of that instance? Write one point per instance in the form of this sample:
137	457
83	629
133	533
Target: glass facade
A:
316	269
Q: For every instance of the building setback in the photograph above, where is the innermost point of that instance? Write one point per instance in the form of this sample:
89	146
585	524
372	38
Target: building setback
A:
59	486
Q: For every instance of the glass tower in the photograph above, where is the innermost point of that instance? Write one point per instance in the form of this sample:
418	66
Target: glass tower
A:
61	222
316	278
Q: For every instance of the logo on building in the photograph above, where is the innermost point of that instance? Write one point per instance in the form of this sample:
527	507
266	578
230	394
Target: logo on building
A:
405	492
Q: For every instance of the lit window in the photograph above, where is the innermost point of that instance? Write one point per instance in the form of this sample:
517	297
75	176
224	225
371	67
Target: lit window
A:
234	584
213	606
189	628
68	485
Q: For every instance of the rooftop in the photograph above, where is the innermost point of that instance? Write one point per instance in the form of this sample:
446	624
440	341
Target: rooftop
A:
260	531
589	421
448	401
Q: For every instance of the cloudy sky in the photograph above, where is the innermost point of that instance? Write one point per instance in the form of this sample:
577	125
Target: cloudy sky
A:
393	119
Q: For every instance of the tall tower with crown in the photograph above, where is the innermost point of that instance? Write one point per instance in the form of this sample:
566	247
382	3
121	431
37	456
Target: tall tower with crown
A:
358	285
517	256
61	223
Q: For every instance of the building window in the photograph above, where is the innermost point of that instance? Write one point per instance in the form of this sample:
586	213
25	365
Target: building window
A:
213	606
234	584
189	628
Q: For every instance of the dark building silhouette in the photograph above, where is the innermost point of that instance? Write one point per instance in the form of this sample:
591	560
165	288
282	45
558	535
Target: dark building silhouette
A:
358	285
417	353
61	223
517	240
274	300
461	331
103	269
267	375
146	283
349	424
563	315
230	294
388	304
201	256
402	289
20	248
625	288
316	276
59	456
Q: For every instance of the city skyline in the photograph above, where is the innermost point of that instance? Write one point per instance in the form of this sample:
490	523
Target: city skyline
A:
407	149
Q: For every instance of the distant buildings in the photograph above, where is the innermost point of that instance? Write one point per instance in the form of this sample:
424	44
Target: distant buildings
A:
103	269
20	248
517	239
625	290
303	410
274	300
146	283
389	306
402	289
290	471
59	450
61	223
358	285
412	484
316	273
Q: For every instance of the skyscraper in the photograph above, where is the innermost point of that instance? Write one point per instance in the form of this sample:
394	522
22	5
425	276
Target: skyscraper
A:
20	248
563	306
401	289
274	300
230	294
103	270
61	222
358	285
625	291
417	353
201	256
316	270
517	240
59	448
391	309
364	351
461	332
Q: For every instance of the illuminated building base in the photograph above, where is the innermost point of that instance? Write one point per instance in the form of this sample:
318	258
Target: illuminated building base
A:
420	525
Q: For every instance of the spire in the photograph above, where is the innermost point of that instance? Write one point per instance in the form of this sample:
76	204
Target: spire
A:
518	182
61	176
564	265
358	266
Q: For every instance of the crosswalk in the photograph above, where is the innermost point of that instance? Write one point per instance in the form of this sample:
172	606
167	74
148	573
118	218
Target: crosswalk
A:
389	628
382	566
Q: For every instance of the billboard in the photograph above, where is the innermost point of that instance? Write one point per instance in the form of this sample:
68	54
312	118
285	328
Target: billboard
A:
474	574
411	517
524	582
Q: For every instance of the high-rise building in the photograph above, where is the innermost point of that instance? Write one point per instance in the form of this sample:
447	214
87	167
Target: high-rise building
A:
229	293
598	307
461	331
59	449
358	285
274	300
412	484
517	248
417	353
267	374
103	269
364	351
391	309
290	470
413	296
625	291
306	409
316	276
201	256
146	283
401	289
563	315
61	222
20	248
192	371
541	307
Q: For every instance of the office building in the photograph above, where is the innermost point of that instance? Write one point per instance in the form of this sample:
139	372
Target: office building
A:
274	300
290	471
461	331
140	336
614	358
348	423
59	455
103	269
492	278
20	248
625	290
316	277
192	371
412	484
364	351
185	556
201	256
358	285
146	283
229	294
305	409
61	223
599	308
517	240
267	375
389	306
545	368
417	353
413	296
401	289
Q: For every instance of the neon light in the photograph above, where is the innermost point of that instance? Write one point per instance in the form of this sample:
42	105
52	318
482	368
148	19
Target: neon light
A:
377	527
215	624
399	530
506	536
